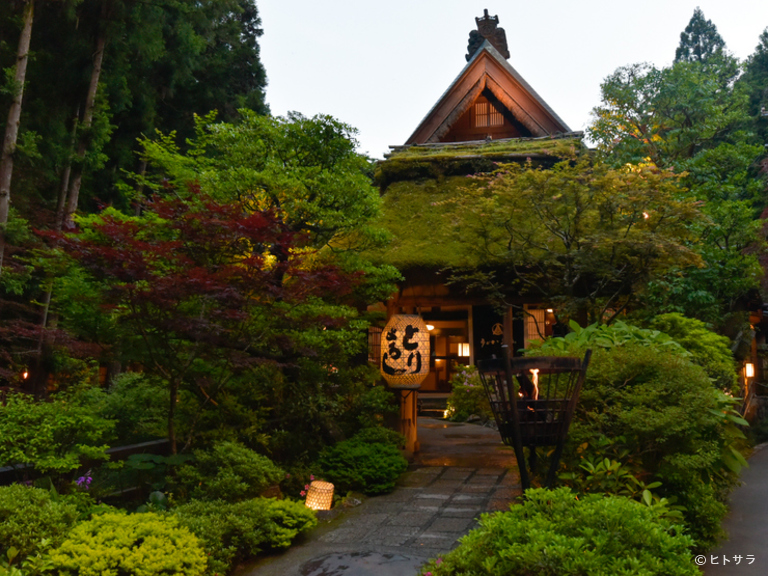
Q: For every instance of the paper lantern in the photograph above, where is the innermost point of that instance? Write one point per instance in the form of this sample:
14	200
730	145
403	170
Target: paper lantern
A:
464	349
319	495
749	370
405	351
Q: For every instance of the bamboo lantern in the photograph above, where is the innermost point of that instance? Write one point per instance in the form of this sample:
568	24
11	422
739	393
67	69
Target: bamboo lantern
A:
319	495
405	351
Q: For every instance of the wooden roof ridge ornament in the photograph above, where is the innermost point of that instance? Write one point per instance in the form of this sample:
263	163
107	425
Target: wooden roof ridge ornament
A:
488	74
487	29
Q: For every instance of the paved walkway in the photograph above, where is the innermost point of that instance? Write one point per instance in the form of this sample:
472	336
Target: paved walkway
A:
462	471
746	524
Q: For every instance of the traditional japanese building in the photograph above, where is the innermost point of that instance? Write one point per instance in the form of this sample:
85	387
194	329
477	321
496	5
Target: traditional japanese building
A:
488	115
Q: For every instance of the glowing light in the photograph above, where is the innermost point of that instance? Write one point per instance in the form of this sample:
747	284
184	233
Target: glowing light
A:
749	370
535	373
430	327
550	310
645	215
25	375
319	495
464	349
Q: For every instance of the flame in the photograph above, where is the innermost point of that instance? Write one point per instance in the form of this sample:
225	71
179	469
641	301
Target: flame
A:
535	373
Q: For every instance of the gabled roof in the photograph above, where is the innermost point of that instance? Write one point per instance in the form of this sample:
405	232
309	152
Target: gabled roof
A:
489	70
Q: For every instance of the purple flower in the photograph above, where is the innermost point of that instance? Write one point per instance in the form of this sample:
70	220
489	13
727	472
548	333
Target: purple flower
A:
311	477
84	482
438	562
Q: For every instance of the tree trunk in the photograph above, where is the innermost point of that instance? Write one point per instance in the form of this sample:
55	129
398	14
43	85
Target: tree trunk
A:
66	173
174	394
90	105
12	127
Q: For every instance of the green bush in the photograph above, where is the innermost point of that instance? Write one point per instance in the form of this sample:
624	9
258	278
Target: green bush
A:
709	350
139	406
51	436
666	422
468	396
380	435
29	515
353	464
229	472
138	544
554	534
233	532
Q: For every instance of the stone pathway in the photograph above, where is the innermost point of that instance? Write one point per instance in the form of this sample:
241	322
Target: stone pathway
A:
433	506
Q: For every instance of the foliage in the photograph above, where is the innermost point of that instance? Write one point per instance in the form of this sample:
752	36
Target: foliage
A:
372	406
582	235
709	350
694	118
603	336
552	533
211	291
699	41
142	544
668	423
228	471
138	405
355	464
380	435
755	80
28	516
467	396
233	532
51	436
667	115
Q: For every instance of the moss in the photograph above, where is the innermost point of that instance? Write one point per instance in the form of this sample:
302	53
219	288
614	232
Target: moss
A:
419	182
424	226
436	161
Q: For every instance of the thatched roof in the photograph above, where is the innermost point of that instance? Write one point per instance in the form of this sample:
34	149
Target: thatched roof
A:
418	183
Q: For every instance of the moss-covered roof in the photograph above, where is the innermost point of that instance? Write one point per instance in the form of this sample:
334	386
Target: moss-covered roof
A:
425	161
418	183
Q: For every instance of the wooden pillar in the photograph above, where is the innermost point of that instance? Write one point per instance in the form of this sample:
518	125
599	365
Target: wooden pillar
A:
409	418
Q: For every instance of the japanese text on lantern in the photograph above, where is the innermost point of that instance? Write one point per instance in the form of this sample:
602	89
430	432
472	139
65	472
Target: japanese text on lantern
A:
405	350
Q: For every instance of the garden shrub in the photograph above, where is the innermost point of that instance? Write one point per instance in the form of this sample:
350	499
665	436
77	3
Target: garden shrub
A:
51	436
671	425
138	544
380	435
29	515
354	464
229	471
468	396
553	534
233	532
139	406
708	349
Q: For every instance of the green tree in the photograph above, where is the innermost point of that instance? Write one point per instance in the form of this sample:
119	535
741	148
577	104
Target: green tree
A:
699	40
581	234
755	81
692	118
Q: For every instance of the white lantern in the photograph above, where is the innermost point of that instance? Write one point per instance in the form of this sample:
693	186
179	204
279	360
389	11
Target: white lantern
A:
405	351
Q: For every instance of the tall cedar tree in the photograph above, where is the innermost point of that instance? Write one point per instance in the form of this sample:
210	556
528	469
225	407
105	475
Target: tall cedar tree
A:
699	40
